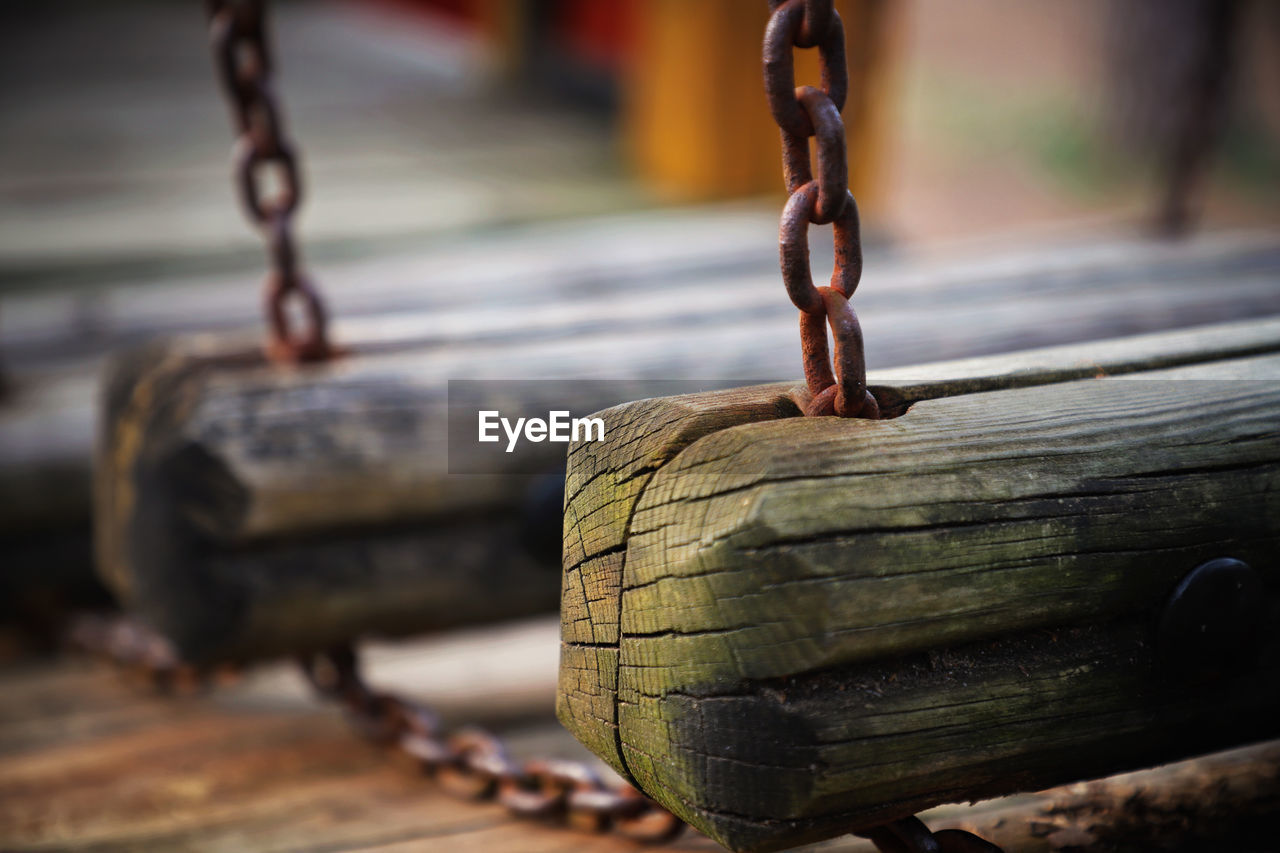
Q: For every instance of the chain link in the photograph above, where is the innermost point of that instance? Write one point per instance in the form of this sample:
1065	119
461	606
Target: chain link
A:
801	113
474	763
141	653
242	56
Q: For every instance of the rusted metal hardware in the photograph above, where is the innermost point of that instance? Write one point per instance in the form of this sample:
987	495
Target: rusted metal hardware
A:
910	835
140	652
474	763
1210	625
241	52
801	113
841	389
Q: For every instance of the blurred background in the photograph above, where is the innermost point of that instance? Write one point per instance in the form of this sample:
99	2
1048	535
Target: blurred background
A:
419	120
461	155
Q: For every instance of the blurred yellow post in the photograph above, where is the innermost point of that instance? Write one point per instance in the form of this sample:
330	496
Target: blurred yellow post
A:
502	24
696	123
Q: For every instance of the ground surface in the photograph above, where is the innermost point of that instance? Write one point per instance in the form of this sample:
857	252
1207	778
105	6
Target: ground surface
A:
89	762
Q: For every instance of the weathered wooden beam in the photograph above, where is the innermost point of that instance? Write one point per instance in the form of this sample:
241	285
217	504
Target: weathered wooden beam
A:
244	509
605	480
789	627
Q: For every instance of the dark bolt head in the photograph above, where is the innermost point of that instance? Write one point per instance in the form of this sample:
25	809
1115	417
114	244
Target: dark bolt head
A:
1211	623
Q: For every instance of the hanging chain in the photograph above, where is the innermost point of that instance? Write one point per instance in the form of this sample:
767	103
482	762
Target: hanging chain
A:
801	113
242	55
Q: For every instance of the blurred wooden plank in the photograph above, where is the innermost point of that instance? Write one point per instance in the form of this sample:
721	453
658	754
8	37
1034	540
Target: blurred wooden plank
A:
551	262
403	140
92	764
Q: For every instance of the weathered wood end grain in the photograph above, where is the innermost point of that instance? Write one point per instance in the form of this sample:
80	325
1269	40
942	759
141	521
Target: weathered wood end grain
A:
603	481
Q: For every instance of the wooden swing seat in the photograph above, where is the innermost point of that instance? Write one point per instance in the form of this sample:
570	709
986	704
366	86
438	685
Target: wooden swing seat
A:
787	628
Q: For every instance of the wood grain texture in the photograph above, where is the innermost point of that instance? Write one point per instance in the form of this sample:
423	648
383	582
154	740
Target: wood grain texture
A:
90	763
603	482
606	480
777	763
799	555
968	516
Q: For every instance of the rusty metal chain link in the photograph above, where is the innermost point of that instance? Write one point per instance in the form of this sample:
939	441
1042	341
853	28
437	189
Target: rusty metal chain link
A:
140	653
474	763
801	113
242	56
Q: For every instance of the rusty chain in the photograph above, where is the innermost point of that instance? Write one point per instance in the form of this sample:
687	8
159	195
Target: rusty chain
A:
242	56
474	763
801	113
471	762
140	652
